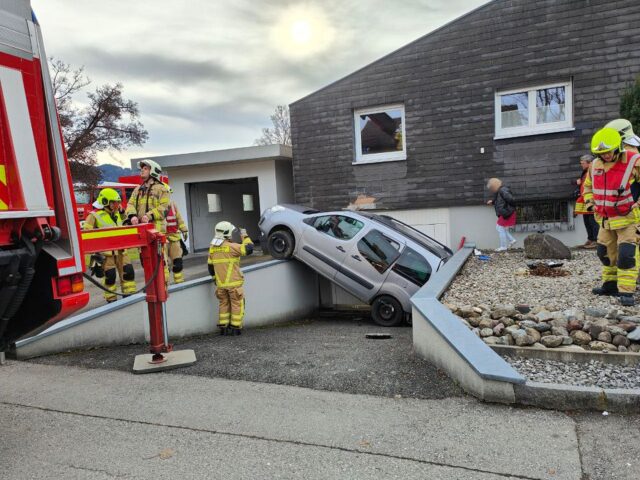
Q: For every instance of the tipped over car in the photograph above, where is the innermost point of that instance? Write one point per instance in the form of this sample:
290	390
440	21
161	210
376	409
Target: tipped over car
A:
378	259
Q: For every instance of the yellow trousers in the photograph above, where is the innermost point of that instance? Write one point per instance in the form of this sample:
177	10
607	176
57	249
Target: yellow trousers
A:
231	306
618	252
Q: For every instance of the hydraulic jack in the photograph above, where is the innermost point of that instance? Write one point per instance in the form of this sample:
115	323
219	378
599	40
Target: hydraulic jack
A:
151	245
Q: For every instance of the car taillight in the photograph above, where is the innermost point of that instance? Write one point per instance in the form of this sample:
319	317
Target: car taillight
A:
70	284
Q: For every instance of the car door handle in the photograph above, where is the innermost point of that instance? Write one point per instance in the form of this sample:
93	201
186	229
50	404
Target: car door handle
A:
340	248
356	257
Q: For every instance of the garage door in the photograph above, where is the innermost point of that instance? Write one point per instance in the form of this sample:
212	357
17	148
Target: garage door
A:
432	222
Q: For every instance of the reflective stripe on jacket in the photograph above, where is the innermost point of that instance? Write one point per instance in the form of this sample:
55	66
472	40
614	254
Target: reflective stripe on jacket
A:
179	222
581	207
151	200
225	259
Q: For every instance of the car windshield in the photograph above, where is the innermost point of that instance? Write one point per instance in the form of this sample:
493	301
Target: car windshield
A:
420	238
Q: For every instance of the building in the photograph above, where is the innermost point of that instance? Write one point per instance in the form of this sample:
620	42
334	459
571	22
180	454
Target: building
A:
234	185
513	89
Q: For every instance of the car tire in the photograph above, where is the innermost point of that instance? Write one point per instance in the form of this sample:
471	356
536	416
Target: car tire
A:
387	311
281	244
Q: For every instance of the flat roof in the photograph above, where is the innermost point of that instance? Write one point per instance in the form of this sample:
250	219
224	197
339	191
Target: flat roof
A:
242	154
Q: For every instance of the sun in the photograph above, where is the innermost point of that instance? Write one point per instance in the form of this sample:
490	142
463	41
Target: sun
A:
302	31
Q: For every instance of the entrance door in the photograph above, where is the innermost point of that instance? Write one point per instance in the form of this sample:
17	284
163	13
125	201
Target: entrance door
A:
235	201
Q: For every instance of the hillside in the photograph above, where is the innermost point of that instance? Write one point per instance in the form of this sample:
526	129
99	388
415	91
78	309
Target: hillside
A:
110	173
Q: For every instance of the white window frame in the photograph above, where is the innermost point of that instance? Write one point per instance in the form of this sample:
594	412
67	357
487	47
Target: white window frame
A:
378	157
534	128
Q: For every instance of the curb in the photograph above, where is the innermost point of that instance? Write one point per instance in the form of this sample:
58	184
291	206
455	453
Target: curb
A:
567	355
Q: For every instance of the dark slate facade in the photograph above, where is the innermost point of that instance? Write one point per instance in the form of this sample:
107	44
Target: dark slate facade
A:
447	82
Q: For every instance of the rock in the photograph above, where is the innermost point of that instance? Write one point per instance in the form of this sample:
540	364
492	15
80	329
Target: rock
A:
560	331
542	327
473	321
478	310
634	336
630	319
605	337
476	332
634	347
580	337
544	316
498	330
491	340
486	332
559	323
521	272
551	341
485	323
627	327
522	308
507	340
614	313
452	308
513	328
596	312
616	330
621	340
467	311
598	327
503	311
539	346
522	339
484	308
573	314
527	324
533	333
602	346
566	340
507	321
542	246
546	333
574	348
622	349
574	325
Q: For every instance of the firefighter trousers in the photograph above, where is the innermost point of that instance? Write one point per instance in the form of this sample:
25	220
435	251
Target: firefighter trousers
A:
174	261
618	252
118	265
231	306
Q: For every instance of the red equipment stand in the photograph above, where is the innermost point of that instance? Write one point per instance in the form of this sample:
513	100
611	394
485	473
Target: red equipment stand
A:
151	244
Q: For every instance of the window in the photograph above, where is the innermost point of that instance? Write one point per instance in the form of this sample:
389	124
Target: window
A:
247	203
543	215
213	201
544	109
82	196
380	134
412	266
338	226
378	250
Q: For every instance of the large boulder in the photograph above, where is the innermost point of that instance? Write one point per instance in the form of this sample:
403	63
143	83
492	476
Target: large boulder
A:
541	246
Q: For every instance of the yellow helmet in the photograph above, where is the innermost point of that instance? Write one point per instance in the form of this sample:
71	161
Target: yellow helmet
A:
625	129
106	195
606	140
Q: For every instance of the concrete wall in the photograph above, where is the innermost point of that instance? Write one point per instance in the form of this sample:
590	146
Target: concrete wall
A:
191	310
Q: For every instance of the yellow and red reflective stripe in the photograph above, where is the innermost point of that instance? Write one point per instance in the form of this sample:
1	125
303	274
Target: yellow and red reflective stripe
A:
93	234
4	191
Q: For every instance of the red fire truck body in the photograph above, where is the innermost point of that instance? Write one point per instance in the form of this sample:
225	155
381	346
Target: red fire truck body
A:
41	259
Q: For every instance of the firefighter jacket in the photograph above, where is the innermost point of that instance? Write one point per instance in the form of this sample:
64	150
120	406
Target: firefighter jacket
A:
607	189
151	200
175	223
581	207
224	261
103	218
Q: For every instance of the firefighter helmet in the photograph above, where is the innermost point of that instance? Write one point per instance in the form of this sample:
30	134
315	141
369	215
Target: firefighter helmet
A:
106	196
625	129
607	140
224	230
155	170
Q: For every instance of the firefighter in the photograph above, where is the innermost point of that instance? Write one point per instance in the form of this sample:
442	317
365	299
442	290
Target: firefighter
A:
224	267
607	191
150	200
107	214
631	143
177	232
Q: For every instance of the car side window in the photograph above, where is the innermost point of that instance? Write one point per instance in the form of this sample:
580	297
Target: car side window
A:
379	250
338	226
413	266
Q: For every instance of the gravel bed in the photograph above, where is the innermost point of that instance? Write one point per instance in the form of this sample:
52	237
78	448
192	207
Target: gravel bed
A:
592	374
503	279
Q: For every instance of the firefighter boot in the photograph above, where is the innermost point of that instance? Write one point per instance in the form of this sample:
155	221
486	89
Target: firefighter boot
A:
224	330
607	288
235	331
627	300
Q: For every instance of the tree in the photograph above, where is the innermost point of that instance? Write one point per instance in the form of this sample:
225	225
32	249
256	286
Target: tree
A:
630	104
281	131
108	122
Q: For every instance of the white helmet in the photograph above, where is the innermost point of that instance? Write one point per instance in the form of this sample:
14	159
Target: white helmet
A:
224	230
155	168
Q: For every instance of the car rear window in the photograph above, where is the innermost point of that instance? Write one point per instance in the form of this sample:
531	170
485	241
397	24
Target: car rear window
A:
378	250
413	266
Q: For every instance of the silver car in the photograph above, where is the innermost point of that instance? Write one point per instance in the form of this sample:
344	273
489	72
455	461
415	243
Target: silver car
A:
376	258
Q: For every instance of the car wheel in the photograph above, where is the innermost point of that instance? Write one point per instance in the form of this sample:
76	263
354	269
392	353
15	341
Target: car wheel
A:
387	311
281	244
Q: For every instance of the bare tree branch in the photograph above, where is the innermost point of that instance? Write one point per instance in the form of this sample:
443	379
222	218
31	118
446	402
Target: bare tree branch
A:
281	131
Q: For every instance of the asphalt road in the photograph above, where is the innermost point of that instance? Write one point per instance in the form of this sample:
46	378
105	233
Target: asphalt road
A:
324	354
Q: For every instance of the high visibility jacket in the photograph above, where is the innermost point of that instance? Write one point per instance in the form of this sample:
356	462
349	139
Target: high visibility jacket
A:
608	188
151	200
103	218
581	207
225	260
175	223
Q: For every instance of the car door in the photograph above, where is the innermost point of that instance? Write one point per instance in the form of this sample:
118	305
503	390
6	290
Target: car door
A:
367	264
326	241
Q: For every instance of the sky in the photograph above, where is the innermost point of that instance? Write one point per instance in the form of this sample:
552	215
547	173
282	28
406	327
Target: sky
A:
207	74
